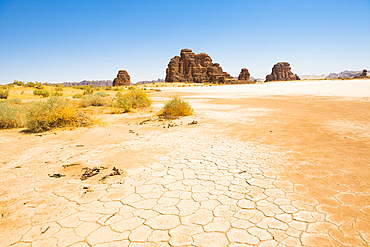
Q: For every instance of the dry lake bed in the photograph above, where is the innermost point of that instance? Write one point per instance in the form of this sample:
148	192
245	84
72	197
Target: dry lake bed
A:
278	164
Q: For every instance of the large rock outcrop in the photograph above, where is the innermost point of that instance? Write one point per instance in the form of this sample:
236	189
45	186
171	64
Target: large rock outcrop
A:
122	79
244	75
281	72
199	68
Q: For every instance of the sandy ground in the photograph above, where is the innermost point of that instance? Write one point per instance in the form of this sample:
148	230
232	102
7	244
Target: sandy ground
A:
280	164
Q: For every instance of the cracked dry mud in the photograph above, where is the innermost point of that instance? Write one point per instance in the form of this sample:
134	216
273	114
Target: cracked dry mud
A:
194	185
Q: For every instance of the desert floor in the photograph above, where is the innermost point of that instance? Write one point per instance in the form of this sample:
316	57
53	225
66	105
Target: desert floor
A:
279	164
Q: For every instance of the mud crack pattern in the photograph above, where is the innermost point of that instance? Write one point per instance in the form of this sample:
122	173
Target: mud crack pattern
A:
207	191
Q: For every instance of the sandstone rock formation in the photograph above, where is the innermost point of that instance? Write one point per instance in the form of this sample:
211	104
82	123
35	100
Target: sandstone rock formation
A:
281	72
122	79
363	74
190	67
244	75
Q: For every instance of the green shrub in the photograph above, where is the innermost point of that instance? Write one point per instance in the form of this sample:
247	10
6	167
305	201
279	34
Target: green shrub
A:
102	94
133	98
12	115
59	87
45	93
120	89
53	113
88	90
176	107
40	92
30	84
93	100
77	95
37	92
4	94
39	85
18	83
14	101
57	94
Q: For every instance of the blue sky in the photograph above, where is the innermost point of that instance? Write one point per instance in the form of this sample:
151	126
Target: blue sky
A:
63	40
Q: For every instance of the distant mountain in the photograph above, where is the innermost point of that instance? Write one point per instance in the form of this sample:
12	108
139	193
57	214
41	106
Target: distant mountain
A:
312	77
343	74
97	83
147	82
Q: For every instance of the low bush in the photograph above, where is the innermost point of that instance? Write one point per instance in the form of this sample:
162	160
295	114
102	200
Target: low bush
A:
12	114
30	84
102	94
77	95
4	94
88	90
39	85
133	98
40	92
37	92
93	100
14	101
176	107
45	93
53	113
59	87
120	89
18	83
57	94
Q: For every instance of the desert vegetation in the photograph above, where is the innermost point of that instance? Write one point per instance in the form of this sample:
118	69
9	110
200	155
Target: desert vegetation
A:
40	107
132	99
40	116
97	99
176	107
4	94
53	113
12	114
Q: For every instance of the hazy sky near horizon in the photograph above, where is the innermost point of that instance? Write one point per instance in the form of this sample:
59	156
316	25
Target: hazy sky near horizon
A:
57	41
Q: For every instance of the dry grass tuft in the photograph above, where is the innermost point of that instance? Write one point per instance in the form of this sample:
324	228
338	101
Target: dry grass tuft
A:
4	94
93	100
176	107
12	114
132	99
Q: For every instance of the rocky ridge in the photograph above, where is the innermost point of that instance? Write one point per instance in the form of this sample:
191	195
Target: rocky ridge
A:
96	83
343	74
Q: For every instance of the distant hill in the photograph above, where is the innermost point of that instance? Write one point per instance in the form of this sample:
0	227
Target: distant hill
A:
312	77
147	82
343	74
97	83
